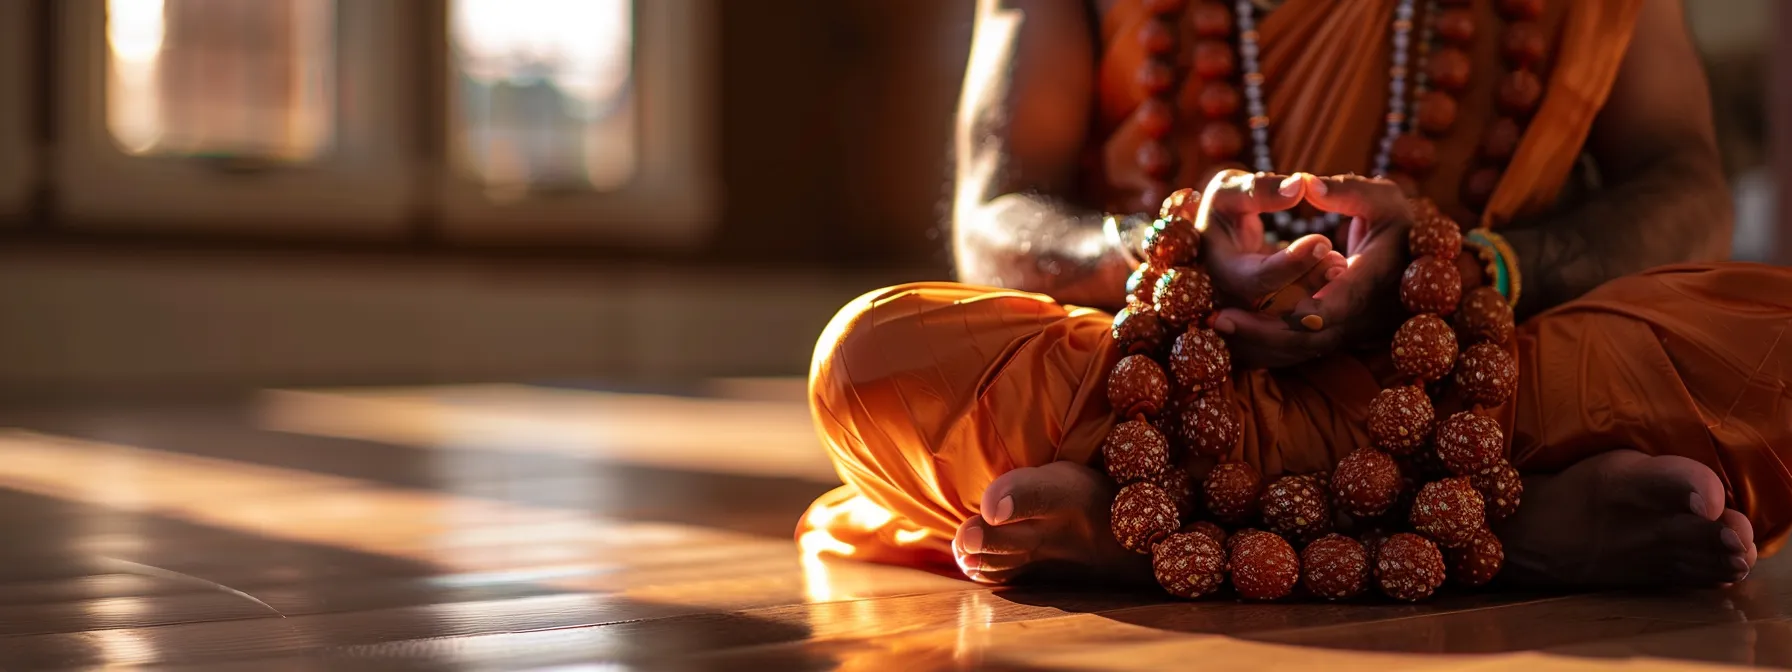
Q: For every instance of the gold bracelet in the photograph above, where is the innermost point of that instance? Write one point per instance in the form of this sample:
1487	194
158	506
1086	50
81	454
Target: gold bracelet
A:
1508	279
1122	232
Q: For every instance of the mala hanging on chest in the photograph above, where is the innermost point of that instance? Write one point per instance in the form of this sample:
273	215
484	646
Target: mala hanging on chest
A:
1429	70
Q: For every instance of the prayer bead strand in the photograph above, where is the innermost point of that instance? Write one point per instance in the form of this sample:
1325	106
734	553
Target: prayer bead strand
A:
1220	139
1520	91
1397	76
1422	485
1160	78
1433	111
1287	226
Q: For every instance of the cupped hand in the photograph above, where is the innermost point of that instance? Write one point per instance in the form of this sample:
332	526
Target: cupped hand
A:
1358	302
1247	272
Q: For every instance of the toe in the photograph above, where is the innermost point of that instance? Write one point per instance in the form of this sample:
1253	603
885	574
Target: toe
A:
997	577
1704	573
1041	492
1671	483
1692	534
1738	528
990	563
1019	537
983	550
965	545
1701	551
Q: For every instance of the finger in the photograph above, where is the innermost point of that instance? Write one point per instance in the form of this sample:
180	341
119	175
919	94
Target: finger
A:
1258	276
1228	213
1356	196
1283	334
1343	298
1330	266
1309	247
1370	268
1272	341
1236	194
1356	236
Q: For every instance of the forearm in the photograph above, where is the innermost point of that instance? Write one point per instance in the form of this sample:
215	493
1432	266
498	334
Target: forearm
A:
1676	211
1036	244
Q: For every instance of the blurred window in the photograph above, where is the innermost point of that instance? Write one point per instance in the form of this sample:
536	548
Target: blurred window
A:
544	94
230	79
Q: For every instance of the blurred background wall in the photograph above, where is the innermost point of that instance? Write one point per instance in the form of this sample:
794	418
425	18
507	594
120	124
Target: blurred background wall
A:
273	192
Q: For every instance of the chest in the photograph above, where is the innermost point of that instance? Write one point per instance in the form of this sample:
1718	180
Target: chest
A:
1435	96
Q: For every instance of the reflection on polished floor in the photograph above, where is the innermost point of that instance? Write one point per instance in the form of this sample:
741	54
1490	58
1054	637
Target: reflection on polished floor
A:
521	527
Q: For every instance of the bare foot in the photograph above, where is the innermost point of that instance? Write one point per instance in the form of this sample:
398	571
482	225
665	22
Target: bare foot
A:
1624	518
1048	520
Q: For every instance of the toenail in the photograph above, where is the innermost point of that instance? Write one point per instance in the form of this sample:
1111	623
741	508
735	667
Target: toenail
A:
1698	506
972	564
1004	509
973	540
1731	541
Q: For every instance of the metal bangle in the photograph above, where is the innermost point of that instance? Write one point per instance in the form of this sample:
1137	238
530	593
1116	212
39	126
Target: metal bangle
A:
1508	260
1507	279
1127	234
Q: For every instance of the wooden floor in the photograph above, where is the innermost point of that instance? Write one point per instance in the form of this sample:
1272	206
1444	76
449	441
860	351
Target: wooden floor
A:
516	527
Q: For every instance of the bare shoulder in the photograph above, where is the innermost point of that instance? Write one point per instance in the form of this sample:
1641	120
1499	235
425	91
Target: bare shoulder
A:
1027	93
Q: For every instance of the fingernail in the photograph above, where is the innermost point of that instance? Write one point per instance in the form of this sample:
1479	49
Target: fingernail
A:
1313	322
1731	541
1290	185
973	540
1698	506
1740	565
1333	273
1316	185
1223	325
1004	509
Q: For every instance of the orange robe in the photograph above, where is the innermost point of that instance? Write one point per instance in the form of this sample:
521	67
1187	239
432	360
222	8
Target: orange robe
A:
924	393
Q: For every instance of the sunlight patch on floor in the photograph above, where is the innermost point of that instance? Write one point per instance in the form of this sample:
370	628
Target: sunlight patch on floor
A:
736	433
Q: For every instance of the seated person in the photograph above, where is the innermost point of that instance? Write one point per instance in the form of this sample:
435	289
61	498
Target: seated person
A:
1653	419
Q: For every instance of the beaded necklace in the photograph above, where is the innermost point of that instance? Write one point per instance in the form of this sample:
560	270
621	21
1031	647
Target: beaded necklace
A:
1286	224
1406	151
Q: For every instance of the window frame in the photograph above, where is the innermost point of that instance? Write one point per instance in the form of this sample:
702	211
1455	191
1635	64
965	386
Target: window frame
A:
368	191
673	200
18	142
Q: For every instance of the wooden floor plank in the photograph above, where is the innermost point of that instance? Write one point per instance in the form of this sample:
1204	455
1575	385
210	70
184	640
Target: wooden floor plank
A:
1765	643
578	480
805	632
140	537
634	428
